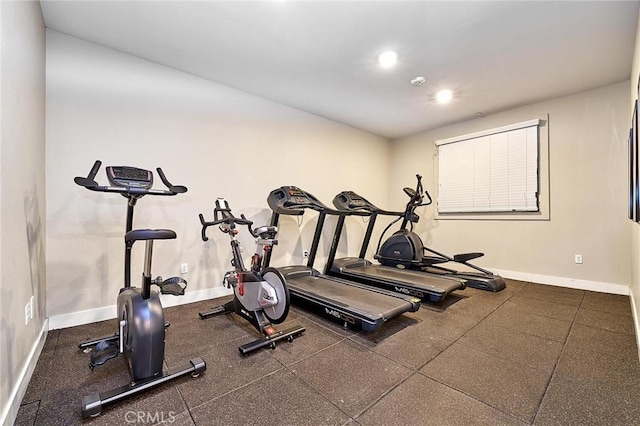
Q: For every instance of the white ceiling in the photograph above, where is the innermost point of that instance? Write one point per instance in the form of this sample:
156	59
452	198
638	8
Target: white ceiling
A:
321	56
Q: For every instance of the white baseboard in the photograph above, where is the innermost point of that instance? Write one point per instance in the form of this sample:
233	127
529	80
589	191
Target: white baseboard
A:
599	286
10	410
636	321
109	312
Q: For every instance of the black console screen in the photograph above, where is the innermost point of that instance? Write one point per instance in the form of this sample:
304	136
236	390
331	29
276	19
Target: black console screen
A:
130	177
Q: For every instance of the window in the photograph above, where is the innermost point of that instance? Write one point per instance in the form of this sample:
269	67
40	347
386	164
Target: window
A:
491	171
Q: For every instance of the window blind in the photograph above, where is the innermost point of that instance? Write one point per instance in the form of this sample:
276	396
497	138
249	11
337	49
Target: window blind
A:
490	171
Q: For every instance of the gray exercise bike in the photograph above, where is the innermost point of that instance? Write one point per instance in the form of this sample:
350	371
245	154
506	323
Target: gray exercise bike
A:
141	321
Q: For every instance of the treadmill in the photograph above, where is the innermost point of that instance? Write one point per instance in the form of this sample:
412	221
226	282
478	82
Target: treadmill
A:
341	300
431	265
426	287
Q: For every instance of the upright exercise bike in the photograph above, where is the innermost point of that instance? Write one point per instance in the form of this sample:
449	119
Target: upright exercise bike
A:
259	296
142	326
405	249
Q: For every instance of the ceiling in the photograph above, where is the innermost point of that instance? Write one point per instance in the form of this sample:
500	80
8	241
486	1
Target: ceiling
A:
321	56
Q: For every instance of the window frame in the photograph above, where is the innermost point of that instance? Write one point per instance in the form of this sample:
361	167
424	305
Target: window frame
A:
543	174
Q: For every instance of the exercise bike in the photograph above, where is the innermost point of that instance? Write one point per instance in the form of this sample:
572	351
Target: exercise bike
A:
259	296
405	249
142	326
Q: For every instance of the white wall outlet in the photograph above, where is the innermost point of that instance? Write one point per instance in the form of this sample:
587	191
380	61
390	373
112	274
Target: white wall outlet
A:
184	268
578	259
305	253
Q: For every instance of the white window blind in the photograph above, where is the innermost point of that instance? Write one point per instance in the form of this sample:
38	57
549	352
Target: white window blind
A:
491	171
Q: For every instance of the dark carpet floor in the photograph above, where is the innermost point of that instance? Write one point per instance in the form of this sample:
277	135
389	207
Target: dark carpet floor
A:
531	354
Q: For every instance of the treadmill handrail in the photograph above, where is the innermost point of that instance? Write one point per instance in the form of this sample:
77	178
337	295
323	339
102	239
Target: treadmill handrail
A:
389	213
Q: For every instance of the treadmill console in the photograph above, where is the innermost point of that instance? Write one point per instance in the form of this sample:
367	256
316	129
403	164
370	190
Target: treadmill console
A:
129	177
350	201
293	200
295	197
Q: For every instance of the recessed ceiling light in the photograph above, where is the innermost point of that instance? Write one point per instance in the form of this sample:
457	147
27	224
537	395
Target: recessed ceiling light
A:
388	59
418	81
444	96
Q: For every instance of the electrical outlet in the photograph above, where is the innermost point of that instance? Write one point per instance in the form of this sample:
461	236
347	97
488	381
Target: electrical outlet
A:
305	253
578	259
184	268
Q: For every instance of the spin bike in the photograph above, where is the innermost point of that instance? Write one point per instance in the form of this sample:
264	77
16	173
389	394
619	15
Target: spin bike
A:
259	296
142	326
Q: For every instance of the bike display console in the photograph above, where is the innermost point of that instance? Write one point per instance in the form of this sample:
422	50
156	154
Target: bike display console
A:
126	176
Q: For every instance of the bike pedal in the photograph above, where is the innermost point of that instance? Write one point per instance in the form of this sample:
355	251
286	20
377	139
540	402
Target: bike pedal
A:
103	352
174	286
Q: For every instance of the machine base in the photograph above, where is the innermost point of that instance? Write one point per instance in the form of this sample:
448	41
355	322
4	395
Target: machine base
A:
92	404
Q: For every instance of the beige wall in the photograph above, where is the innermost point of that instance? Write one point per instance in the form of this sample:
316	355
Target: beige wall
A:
588	194
22	186
103	104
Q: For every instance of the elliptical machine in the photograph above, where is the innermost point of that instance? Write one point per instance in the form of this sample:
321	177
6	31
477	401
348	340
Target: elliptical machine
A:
142	326
404	249
259	296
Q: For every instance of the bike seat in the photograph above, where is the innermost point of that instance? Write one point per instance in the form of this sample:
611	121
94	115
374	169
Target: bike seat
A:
149	234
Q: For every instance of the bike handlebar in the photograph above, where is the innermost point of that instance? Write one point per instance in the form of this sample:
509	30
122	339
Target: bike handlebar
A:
419	194
178	189
229	219
89	183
